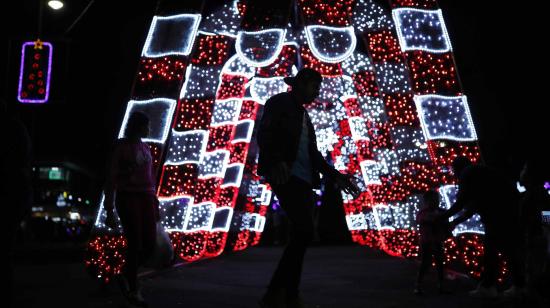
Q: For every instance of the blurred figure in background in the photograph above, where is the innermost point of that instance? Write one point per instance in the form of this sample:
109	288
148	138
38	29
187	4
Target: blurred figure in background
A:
131	189
533	202
491	194
433	233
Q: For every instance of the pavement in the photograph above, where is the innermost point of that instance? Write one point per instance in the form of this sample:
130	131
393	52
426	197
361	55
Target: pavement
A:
333	276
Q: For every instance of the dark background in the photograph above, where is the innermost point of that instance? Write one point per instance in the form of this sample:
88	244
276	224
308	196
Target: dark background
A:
499	50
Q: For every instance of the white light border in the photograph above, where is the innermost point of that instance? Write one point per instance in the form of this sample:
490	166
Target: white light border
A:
248	137
172	106
268	61
190	67
443	191
236	184
225	69
355	135
419	99
235	117
187	50
364	222
227	222
208	227
172	198
402	40
254	94
260	223
310	41
377	217
265	195
224	164
204	144
364	165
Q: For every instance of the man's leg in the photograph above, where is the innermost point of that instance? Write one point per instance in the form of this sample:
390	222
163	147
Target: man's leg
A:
513	248
490	258
296	199
148	228
130	221
438	256
425	262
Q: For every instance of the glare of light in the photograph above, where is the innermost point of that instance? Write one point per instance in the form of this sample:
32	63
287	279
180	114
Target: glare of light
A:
55	4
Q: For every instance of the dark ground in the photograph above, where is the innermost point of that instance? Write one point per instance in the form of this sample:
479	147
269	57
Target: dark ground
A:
334	276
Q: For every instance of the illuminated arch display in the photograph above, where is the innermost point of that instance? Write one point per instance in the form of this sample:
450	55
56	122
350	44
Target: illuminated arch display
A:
391	112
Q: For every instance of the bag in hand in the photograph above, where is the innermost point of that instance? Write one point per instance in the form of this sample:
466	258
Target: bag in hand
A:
163	253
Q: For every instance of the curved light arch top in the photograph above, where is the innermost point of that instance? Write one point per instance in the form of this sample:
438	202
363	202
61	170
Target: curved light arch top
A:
260	48
331	44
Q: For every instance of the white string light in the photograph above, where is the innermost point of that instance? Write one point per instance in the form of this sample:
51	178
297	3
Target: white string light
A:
249	44
472	224
445	117
419	29
159	111
182	30
331	44
186	147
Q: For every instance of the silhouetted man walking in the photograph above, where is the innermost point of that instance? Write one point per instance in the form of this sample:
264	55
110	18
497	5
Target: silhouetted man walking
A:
490	194
290	161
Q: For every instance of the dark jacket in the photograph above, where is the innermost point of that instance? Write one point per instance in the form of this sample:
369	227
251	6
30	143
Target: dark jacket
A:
279	136
489	193
432	230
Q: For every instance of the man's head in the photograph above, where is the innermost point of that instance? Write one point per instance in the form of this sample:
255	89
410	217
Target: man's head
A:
430	199
306	84
459	164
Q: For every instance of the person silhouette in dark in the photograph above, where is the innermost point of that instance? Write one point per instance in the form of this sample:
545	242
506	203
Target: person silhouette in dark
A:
130	187
17	190
433	233
533	202
290	162
494	197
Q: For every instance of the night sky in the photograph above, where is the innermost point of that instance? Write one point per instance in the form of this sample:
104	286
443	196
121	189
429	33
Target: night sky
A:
499	50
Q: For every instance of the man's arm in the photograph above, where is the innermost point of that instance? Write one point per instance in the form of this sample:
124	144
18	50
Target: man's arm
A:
454	209
269	126
322	166
463	196
462	217
343	182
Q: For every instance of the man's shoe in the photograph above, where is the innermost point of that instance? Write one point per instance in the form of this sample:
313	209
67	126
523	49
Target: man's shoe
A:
295	302
514	291
274	299
136	299
442	289
123	285
483	292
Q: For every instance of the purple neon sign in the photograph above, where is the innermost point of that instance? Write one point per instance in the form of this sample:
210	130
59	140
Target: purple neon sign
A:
35	72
